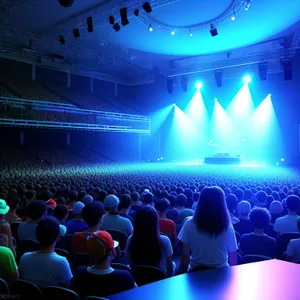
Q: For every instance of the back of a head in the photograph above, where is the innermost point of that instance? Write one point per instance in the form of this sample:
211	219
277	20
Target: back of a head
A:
259	217
92	213
45	195
181	200
188	193
196	196
60	211
211	215
244	208
87	199
172	200
125	201
12	201
276	207
247	194
162	205
47	231
36	209
147	199
232	202
135	196
73	196
261	196
293	203
145	246
239	193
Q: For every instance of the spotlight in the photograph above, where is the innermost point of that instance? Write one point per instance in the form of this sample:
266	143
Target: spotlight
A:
66	3
111	20
248	3
282	159
219	77
161	158
269	95
247	79
136	12
173	32
233	17
62	40
116	27
191	33
262	69
213	30
89	22
216	99
76	33
150	28
277	163
147	7
198	85
184	83
123	14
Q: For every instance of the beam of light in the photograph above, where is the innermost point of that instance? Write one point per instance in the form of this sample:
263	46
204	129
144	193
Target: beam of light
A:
223	131
247	79
182	136
159	117
198	85
265	131
240	111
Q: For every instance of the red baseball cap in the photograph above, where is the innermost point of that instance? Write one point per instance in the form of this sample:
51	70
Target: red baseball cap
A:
51	203
100	243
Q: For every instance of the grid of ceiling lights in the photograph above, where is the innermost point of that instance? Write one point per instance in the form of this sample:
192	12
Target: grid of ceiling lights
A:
213	29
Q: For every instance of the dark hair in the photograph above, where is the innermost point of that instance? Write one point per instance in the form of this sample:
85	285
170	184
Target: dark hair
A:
31	194
293	202
73	196
60	212
147	198
261	196
232	202
36	209
60	200
145	247
211	215
239	193
12	201
125	201
247	195
298	224
196	196
92	213
135	196
47	231
172	200
45	195
181	200
162	205
259	217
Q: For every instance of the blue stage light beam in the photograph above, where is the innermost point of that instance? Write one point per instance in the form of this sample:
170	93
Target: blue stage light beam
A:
223	130
159	117
247	79
198	85
266	133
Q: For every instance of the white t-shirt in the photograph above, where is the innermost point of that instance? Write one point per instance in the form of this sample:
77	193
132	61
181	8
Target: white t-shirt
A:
167	251
116	222
45	269
286	224
207	250
293	249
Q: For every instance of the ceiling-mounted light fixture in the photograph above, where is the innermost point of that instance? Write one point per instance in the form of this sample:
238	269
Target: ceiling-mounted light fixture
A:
191	32
213	30
173	32
150	28
147	7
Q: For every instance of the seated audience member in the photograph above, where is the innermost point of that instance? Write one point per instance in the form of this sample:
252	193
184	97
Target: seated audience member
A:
261	198
136	203
51	203
87	199
61	213
239	194
76	224
183	212
208	238
232	204
8	267
124	207
189	197
44	267
4	226
36	210
288	223
166	226
147	246
112	220
196	196
244	225
92	214
257	242
172	213
147	198
275	210
13	203
293	248
101	279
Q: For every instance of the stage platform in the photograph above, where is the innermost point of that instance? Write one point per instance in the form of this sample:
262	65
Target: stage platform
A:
223	160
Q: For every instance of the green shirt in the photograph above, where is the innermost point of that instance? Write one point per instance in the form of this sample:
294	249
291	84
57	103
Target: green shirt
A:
7	263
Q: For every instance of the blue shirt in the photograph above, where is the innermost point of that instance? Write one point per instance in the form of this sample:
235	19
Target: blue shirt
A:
75	226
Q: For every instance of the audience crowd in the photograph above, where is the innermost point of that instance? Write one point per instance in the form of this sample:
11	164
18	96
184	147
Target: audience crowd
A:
98	231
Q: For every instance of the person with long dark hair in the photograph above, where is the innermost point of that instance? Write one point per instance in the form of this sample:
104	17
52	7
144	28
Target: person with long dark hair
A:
209	236
146	246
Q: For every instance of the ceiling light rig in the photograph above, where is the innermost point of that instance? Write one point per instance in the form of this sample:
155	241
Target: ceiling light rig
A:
236	8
